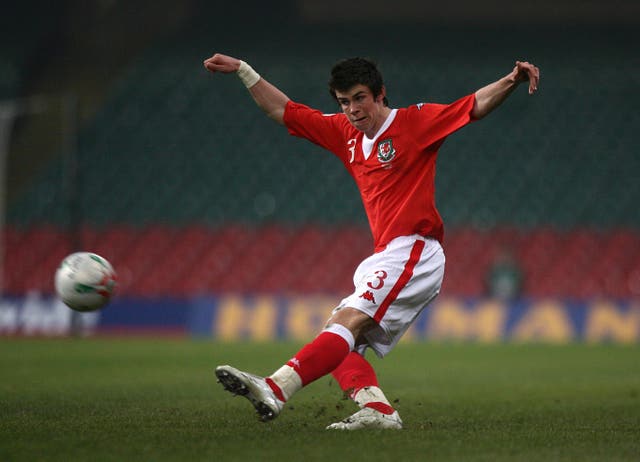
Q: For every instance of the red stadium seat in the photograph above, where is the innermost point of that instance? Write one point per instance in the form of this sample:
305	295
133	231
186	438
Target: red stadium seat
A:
160	260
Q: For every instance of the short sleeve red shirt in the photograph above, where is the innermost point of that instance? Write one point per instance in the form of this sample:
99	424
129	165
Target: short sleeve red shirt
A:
395	171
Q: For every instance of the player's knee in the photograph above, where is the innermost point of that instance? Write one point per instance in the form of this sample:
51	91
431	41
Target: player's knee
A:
354	320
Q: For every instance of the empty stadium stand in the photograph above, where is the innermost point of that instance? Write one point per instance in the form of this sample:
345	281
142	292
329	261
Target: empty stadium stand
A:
187	188
186	261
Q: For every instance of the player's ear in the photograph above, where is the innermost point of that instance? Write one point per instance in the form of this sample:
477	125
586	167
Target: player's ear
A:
382	96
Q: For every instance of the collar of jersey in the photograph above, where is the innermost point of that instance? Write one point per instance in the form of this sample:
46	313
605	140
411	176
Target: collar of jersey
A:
367	143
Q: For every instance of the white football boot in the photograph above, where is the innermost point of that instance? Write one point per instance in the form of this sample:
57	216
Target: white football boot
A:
252	387
369	418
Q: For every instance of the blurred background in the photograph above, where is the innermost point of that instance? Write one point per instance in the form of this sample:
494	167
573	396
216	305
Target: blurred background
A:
115	140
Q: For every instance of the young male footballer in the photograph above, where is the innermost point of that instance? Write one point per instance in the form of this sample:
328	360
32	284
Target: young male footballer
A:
391	155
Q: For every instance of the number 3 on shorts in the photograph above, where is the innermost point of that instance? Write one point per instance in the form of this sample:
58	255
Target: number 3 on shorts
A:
380	275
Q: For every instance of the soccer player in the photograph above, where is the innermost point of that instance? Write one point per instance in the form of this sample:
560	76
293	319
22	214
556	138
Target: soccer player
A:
391	155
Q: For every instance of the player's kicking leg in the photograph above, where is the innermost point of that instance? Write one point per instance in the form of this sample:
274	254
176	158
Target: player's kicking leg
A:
254	388
357	378
314	360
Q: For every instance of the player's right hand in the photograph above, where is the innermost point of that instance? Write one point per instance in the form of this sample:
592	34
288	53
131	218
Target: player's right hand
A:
222	63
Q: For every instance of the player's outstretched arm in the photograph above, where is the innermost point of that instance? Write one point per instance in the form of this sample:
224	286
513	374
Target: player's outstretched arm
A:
269	98
490	97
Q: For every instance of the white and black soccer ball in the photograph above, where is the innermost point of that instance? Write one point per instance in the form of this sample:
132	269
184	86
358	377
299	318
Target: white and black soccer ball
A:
85	281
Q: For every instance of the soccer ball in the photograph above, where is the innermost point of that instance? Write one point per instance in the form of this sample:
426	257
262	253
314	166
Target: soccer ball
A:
85	281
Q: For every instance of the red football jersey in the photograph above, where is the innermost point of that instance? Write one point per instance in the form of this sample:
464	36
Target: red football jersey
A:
395	171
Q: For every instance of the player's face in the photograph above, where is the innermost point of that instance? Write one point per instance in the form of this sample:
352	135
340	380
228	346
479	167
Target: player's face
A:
365	112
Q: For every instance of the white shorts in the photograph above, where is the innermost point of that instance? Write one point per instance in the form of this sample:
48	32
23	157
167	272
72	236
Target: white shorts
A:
394	286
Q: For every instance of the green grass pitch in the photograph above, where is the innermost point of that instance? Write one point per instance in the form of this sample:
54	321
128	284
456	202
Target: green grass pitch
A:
157	400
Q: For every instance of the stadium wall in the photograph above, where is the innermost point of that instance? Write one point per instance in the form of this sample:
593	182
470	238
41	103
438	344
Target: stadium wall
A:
235	317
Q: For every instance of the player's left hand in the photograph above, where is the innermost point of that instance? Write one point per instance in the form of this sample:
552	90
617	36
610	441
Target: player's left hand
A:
527	71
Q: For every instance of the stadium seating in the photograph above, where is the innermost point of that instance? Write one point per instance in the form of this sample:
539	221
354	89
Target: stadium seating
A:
166	261
186	190
175	146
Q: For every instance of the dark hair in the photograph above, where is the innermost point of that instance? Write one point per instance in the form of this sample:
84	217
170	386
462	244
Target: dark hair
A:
353	71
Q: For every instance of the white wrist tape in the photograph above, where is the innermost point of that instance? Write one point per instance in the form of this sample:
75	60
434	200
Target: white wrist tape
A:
248	76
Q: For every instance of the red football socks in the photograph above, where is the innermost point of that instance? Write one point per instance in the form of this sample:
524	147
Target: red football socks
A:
355	373
357	378
331	352
320	357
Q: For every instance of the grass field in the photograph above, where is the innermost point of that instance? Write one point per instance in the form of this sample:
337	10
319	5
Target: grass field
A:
157	400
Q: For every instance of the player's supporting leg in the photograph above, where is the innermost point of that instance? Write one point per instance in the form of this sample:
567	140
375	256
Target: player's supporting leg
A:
357	378
316	359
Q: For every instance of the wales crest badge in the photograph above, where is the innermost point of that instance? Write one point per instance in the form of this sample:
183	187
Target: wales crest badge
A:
386	152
